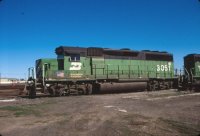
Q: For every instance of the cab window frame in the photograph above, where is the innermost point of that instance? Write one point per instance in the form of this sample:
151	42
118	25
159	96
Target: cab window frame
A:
74	57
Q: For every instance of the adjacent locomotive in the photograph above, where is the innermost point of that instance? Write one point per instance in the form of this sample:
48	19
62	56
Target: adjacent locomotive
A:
190	80
78	70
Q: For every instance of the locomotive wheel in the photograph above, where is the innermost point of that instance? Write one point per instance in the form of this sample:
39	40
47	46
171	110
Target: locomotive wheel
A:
167	86
170	85
89	89
151	86
80	91
156	86
59	92
159	86
56	91
32	92
51	91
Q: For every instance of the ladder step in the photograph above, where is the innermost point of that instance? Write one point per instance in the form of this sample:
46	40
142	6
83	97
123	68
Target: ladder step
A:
38	88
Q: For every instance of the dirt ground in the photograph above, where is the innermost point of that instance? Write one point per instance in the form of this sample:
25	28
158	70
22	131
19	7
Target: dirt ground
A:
162	113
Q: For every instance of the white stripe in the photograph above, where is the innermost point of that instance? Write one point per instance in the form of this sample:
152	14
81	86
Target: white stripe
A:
8	100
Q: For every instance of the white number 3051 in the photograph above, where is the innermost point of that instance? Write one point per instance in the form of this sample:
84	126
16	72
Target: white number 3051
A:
163	67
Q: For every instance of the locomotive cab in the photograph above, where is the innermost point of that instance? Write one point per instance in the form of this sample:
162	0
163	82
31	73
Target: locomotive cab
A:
192	70
72	63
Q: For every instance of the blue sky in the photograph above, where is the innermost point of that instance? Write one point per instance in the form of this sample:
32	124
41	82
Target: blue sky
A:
31	29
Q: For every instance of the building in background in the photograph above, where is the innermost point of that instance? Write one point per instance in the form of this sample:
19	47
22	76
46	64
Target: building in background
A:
11	80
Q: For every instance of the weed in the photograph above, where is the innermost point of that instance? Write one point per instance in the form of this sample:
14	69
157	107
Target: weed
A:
22	110
180	126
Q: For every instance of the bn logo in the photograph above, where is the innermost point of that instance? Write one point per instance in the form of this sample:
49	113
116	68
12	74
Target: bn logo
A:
75	66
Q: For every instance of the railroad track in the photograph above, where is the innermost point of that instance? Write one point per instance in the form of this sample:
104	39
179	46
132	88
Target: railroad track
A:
11	90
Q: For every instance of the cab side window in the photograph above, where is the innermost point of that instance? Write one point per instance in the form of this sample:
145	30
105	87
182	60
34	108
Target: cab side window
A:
74	57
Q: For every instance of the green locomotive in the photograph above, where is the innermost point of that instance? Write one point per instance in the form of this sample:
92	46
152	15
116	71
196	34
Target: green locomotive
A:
78	70
191	77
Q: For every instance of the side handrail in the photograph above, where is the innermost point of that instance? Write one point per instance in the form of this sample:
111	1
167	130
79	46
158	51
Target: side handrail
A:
31	73
43	73
191	74
187	73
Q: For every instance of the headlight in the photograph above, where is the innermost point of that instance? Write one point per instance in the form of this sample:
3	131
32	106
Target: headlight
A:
30	82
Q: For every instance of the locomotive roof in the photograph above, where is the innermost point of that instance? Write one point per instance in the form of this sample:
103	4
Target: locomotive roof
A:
65	50
72	49
192	57
125	52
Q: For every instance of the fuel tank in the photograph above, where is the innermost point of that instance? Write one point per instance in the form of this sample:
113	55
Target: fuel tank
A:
119	87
